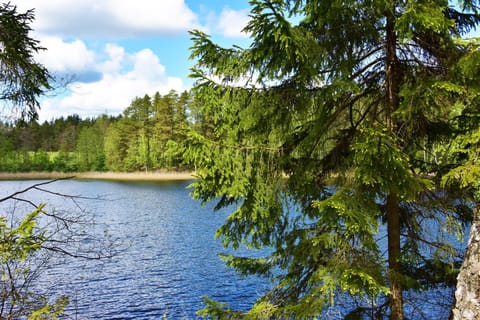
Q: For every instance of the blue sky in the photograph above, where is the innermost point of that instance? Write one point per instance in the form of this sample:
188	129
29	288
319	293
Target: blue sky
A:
117	50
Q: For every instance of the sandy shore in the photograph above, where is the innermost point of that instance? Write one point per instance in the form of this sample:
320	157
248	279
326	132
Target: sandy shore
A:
120	176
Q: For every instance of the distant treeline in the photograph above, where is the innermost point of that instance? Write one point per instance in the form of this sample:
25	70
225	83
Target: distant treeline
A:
148	135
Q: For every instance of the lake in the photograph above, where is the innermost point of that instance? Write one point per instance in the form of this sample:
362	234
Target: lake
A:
167	260
167	257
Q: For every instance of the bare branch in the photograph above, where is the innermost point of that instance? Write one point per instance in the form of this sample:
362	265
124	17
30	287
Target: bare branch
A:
35	186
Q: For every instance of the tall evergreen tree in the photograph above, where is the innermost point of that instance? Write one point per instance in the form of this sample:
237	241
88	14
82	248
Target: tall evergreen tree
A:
164	129
324	131
22	78
141	111
115	145
165	113
180	116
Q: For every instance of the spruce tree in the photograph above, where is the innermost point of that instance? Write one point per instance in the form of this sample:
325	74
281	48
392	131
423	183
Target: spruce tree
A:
334	127
23	79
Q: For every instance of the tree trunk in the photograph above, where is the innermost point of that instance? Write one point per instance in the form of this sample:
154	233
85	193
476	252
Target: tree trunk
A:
392	206
467	295
394	252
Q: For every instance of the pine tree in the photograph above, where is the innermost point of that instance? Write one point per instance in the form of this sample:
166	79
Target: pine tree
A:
164	124
335	124
140	112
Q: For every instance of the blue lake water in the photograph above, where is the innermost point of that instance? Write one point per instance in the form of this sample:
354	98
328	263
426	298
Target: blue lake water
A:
167	257
167	260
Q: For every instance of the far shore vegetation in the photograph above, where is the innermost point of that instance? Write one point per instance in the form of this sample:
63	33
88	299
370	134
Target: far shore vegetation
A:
96	175
149	136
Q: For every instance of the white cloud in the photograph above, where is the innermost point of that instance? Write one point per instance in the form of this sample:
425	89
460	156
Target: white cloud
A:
107	79
64	56
116	55
148	65
110	18
116	88
232	22
167	16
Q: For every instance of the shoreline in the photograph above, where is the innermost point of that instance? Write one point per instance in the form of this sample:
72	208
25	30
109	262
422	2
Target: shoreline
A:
116	176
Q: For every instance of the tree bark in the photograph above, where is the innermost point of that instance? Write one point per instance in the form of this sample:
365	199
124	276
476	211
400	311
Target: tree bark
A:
392	205
394	252
467	294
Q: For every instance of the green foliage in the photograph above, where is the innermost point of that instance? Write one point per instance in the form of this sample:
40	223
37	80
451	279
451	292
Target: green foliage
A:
339	123
50	311
90	149
466	144
149	136
382	165
23	79
116	145
217	310
18	244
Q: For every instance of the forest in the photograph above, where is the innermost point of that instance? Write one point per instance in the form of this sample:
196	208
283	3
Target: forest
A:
148	135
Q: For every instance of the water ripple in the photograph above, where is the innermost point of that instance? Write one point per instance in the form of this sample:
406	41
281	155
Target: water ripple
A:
169	264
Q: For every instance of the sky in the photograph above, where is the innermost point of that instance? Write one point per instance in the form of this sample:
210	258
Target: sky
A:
116	50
